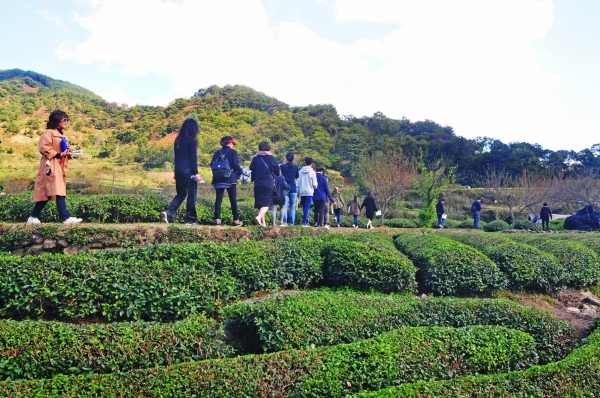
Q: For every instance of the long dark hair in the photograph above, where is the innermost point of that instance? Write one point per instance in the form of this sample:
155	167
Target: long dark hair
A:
371	195
55	118
188	129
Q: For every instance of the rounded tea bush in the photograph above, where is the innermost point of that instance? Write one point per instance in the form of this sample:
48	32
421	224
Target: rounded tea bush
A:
524	224
495	226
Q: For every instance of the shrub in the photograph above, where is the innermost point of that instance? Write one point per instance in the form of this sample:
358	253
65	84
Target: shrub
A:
318	318
581	264
34	350
577	375
401	356
449	267
362	266
495	226
525	266
468	224
524	224
557	225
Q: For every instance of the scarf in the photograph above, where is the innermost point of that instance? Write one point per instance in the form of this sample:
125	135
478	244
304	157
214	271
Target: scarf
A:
262	153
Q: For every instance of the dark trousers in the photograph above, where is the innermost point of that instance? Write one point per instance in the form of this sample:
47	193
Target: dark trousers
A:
61	205
184	186
546	224
232	193
319	211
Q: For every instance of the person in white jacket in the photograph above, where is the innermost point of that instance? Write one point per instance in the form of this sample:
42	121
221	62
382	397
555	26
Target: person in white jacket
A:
307	183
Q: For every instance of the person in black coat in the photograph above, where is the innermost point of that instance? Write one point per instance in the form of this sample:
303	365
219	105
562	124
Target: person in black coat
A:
186	173
229	184
264	168
370	208
546	216
476	210
439	210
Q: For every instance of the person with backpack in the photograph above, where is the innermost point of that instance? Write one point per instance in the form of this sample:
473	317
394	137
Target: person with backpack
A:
370	208
186	173
225	178
546	216
354	209
339	204
282	190
290	172
476	210
307	183
264	169
320	196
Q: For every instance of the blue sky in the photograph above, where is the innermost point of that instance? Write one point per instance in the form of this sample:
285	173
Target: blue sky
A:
515	70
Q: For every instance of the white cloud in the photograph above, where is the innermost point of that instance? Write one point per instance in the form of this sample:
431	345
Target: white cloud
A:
55	19
117	95
468	63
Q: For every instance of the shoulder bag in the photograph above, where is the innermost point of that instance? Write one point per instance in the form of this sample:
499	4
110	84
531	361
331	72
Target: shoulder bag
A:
220	168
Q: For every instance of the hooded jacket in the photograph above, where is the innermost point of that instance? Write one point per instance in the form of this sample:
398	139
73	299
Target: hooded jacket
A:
307	183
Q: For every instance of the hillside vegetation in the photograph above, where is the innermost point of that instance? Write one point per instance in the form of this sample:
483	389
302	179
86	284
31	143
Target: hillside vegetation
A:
135	142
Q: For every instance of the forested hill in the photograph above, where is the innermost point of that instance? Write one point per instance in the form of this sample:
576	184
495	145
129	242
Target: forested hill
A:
140	133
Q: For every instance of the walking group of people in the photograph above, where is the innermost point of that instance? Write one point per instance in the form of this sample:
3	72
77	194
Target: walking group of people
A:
275	185
545	214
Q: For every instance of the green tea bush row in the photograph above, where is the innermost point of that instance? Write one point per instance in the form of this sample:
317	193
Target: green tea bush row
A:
495	226
449	267
468	224
38	349
525	266
317	318
169	282
524	224
578	375
401	356
581	265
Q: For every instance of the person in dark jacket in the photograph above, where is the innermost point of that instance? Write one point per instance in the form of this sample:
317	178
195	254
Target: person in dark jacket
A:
279	199
264	168
476	210
186	173
229	184
546	216
320	196
291	173
370	208
439	209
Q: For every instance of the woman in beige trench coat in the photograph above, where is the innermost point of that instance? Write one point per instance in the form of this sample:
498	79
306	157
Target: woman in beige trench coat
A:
51	179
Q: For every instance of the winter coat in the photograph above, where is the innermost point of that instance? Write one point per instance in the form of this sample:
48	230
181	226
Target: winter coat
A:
322	190
339	201
307	183
291	173
476	206
369	206
234	163
186	156
546	213
49	186
354	208
439	208
282	188
264	169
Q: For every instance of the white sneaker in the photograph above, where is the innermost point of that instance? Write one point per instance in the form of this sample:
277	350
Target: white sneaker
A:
283	224
326	226
33	220
164	217
72	220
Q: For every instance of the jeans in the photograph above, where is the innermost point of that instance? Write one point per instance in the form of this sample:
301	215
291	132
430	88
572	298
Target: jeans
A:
288	212
476	218
232	192
61	205
319	210
338	215
184	186
356	220
306	202
440	219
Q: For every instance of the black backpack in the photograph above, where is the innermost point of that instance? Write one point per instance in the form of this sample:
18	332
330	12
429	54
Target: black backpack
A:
220	168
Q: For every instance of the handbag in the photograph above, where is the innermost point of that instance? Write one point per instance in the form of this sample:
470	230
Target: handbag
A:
274	185
220	168
444	216
378	213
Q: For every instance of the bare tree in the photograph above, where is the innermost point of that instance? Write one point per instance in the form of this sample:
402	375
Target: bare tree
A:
517	193
580	189
388	175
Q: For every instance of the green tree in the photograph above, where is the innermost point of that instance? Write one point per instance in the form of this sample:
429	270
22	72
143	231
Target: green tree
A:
430	181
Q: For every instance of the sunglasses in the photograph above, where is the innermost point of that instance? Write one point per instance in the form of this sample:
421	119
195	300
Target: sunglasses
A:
66	119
